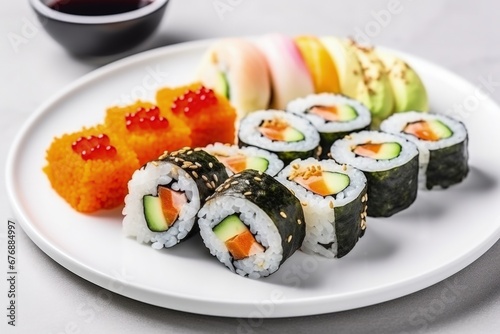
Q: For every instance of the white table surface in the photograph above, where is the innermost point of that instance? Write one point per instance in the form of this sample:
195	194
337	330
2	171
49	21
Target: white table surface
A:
462	36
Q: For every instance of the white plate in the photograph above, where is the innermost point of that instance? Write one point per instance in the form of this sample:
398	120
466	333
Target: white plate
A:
441	233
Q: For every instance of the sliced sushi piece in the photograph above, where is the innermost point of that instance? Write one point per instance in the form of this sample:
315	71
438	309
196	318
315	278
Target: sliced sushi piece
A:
319	63
146	130
210	116
390	163
408	89
442	142
252	224
290	77
285	134
236	69
166	194
377	94
237	159
334	198
334	116
90	168
347	65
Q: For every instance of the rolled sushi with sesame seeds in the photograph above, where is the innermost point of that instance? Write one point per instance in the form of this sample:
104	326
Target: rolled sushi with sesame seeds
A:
166	194
252	224
390	164
334	199
442	142
285	134
237	159
333	115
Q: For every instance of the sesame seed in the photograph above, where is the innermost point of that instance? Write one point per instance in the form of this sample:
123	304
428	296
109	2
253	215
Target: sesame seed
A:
176	159
344	167
213	184
247	182
209	186
154	163
216	178
290	238
195	174
193	167
234	183
248	193
282	214
303	203
204	178
211	165
299	221
257	179
331	205
197	149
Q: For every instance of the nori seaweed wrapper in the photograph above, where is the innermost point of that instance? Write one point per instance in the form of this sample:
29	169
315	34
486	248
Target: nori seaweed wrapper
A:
392	190
448	165
288	156
350	223
205	169
282	207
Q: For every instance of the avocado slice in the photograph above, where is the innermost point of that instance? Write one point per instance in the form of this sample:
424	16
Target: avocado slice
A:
258	163
153	214
378	95
408	89
229	227
383	151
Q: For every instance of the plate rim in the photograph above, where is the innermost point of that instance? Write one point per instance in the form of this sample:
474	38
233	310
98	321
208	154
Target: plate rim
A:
205	306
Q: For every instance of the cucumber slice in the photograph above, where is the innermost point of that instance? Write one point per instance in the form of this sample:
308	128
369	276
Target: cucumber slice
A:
336	182
153	214
347	113
229	227
291	134
258	163
440	129
382	151
222	85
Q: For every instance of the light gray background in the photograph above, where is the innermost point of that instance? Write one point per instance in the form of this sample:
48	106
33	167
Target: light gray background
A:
462	36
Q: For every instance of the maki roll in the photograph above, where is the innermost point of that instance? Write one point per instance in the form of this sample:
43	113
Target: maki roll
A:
252	224
442	142
238	159
334	198
390	164
288	135
166	194
334	116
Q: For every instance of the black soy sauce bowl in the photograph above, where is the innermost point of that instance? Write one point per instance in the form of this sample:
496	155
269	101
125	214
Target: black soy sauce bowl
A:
104	35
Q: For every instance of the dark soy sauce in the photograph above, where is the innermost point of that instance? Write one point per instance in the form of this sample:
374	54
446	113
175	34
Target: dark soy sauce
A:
96	7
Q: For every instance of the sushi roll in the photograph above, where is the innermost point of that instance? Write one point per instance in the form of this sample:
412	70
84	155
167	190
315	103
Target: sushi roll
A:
166	194
237	159
442	142
319	63
90	168
252	224
334	116
290	77
236	69
146	131
334	198
390	164
286	134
